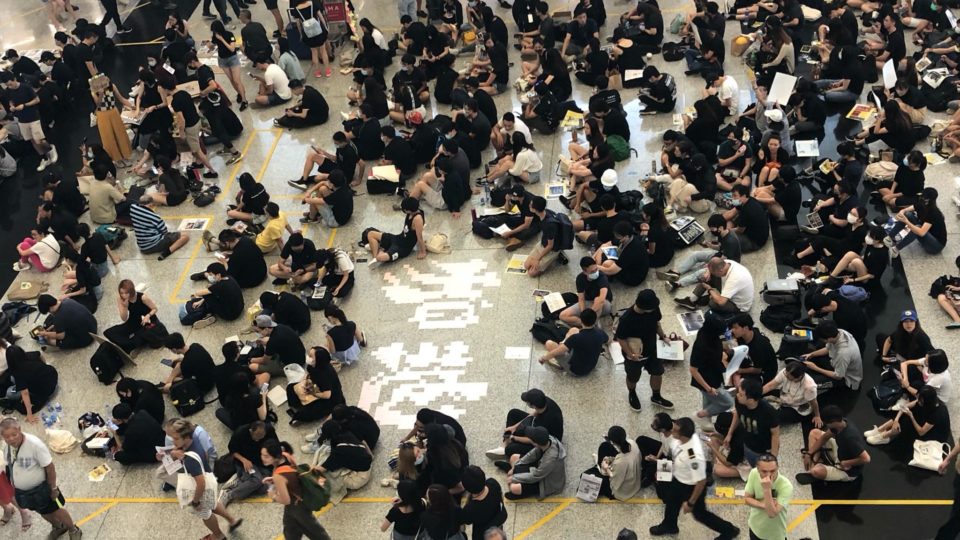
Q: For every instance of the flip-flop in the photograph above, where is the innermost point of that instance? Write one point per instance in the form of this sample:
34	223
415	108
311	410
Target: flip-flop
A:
25	522
236	525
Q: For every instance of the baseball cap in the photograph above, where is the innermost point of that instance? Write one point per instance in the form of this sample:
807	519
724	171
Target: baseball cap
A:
537	434
908	315
774	115
535	397
264	321
415	117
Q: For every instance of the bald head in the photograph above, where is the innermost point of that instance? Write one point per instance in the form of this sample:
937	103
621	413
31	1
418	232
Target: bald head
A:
717	266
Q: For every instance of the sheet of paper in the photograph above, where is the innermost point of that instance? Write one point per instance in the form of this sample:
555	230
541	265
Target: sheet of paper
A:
246	350
691	322
501	229
170	465
232	339
616	353
98	473
951	17
631	74
739	354
515	264
889	75
554	301
516	353
808	148
193	224
664	470
277	396
670	350
781	89
386	172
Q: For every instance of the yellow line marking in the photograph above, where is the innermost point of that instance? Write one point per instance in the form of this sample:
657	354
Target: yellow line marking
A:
544	520
134	8
333	234
186	271
803	516
263	166
139	43
97	512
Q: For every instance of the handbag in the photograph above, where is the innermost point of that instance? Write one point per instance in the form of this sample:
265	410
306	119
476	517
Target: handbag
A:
589	487
28	290
438	243
929	454
187	486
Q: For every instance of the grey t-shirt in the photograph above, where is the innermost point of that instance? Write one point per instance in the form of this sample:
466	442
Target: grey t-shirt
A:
846	360
730	246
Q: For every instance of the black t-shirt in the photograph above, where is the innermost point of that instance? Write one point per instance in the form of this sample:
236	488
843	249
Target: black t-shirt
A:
416	32
709	364
591	288
226	299
300	259
176	52
183	103
615	123
851	171
341	203
605	225
896	46
752	216
348	454
486	105
849	316
241	442
909	182
938	227
73	319
790	198
662	237
255	199
940	418
147	397
546	109
585	348
581	34
634	262
876	260
84	55
197	364
406	523
499	62
95	249
292	312
400	153
483	514
246	263
141	433
640	325
914	98
38	378
756	425
551	418
361	424
204	76
317	109
415	79
343	335
445	420
814	109
24	94
480	131
175	187
86	276
286	345
368	141
850	445
222	50
761	355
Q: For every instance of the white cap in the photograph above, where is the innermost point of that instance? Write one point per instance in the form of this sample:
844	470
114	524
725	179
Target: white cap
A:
774	115
609	178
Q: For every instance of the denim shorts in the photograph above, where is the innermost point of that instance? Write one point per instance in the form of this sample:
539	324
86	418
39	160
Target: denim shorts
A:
229	62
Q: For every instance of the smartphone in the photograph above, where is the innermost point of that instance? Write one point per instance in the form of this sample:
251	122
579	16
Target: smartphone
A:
264	388
167	362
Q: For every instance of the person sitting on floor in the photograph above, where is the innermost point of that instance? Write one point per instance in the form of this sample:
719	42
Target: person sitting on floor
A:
330	201
141	396
244	260
69	324
222	299
837	364
925	418
541	471
35	382
302	266
543	412
931	370
286	308
137	435
193	362
344	337
391	247
593	291
619	464
580	349
728	288
315	396
312	110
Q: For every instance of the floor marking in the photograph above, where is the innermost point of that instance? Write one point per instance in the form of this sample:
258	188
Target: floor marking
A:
140	43
333	234
186	272
804	515
96	513
543	521
318	513
263	167
554	500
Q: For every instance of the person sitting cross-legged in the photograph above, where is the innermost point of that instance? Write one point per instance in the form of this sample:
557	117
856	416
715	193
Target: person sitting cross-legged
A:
836	454
580	350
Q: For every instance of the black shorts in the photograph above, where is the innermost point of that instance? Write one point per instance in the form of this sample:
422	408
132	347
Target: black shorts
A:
52	505
270	4
394	246
634	370
164	243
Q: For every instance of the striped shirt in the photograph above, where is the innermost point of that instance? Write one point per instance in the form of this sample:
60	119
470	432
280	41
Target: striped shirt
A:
148	227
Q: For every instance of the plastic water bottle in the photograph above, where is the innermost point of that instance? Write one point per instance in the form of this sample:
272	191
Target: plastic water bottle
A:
486	195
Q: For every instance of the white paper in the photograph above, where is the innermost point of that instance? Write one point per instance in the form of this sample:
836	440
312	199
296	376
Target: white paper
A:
670	350
554	301
246	349
516	353
691	322
386	172
631	74
616	352
170	465
501	229
889	74
951	17
98	442
232	339
739	353
808	148
277	396
781	89
664	470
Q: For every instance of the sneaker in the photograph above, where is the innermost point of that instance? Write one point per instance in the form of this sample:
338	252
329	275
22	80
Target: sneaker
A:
662	530
878	440
211	174
565	201
502	465
634	401
329	73
953	326
21	266
52	154
513	244
671	286
496	453
562	257
279	281
198	276
661	402
686	303
312	436
552	362
389	482
308	219
871	432
44	163
301	184
804	478
243	106
669	275
124	30
809	230
805	324
204	322
309	448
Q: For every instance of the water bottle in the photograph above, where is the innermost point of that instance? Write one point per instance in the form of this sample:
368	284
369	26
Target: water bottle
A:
486	195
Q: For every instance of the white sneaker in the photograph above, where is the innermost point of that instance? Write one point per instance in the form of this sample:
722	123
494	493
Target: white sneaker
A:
877	440
496	453
312	436
20	266
309	448
204	322
871	432
52	154
43	165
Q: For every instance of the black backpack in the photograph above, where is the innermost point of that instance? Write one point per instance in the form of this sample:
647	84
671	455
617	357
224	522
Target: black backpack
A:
674	51
106	363
779	317
887	393
569	299
187	397
564	238
544	330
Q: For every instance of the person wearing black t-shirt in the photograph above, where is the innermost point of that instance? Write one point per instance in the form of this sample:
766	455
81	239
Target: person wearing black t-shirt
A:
637	332
540	411
286	309
894	48
485	103
223	298
404	514
22	102
245	261
843	79
837	453
82	284
245	446
923	222
141	396
749	218
499	77
398	152
846	313
413	36
302	268
761	362
345	159
484	507
655	94
580	350
187	120
281	347
579	32
213	105
758	420
543	112
907	182
593	291
367	135
137	435
523	225
331	201
311	111
625	259
194	363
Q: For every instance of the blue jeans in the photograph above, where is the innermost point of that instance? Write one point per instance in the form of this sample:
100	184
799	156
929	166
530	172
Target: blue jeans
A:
691	266
407	7
750	456
714	405
693	58
102	269
191	313
927	242
838	96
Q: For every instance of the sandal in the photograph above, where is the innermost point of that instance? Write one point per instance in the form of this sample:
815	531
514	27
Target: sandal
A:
25	521
236	525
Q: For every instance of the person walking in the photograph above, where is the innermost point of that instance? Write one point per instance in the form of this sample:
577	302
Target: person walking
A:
688	490
768	494
34	478
285	489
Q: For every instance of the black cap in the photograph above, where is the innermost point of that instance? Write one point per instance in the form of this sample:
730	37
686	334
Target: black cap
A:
6	76
537	434
11	53
535	397
647	300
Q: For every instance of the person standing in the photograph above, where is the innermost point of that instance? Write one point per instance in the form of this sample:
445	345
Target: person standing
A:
34	478
22	102
768	495
285	489
951	529
637	333
111	11
688	490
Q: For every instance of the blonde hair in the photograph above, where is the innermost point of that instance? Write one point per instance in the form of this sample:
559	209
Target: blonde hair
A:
407	462
180	426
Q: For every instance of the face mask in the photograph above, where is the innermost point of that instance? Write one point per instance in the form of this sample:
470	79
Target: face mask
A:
607	188
933	6
851	218
735	202
211	279
45	69
90	155
905	164
152	63
365	72
419	459
593	275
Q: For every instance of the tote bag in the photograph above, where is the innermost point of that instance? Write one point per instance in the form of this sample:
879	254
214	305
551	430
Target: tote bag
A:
589	488
187	486
929	454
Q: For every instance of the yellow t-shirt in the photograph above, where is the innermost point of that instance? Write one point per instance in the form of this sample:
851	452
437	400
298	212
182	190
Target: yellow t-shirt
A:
272	231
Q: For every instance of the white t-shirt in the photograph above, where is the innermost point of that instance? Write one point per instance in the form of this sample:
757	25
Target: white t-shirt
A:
343	262
942	382
729	89
274	76
796	394
48	250
526	161
738	286
28	462
378	38
518	126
